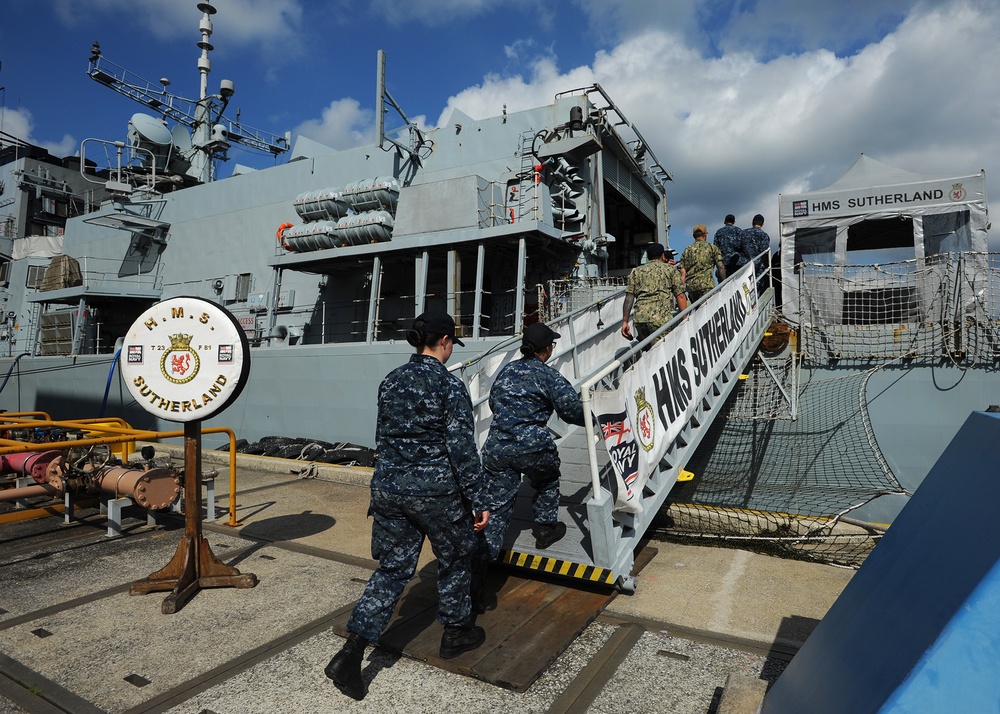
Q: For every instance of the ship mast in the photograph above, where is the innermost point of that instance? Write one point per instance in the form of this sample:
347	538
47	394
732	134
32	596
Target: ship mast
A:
201	164
211	132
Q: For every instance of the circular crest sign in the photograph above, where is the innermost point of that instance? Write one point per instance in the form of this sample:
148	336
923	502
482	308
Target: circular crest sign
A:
185	359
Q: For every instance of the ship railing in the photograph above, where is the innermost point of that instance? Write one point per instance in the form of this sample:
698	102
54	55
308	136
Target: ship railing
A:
347	320
493	205
559	297
589	338
107	276
635	144
941	305
73	285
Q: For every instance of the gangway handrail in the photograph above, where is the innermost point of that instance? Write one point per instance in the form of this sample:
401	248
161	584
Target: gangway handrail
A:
463	367
587	385
596	351
614	533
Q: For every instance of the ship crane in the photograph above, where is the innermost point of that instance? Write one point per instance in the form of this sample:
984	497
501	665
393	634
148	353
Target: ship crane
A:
211	132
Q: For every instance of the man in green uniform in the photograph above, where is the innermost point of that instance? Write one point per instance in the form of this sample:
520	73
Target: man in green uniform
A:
699	259
655	289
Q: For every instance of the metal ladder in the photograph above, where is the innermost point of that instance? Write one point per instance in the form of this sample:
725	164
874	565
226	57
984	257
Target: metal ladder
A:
526	207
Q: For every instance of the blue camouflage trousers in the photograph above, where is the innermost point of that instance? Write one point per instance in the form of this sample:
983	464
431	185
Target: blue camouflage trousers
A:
401	522
503	475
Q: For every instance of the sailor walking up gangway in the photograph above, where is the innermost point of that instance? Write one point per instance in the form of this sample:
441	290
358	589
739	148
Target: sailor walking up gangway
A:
652	403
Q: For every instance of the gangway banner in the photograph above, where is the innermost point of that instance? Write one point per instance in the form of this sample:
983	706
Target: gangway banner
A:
658	394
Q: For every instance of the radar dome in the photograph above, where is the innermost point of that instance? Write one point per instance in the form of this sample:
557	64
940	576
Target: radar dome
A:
150	135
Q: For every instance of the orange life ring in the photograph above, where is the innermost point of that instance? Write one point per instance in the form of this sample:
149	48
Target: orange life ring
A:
281	229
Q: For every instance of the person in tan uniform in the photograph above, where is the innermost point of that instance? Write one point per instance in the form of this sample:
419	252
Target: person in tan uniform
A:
699	259
655	290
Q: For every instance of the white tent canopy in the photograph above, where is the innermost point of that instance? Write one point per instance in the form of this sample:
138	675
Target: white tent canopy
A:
875	206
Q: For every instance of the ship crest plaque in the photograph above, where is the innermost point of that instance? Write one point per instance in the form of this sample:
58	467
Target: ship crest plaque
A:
185	359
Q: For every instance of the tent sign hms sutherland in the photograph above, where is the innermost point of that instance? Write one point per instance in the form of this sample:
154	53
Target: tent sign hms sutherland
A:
186	359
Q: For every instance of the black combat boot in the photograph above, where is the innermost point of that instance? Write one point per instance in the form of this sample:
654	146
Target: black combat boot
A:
461	638
547	533
478	588
345	667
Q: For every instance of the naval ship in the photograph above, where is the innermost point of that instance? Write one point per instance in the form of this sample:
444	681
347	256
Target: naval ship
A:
324	259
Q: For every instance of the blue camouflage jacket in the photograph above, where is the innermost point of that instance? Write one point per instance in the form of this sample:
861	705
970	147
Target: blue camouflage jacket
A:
755	241
729	238
424	438
522	398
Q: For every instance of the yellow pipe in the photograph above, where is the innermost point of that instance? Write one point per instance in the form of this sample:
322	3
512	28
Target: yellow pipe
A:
22	416
51	510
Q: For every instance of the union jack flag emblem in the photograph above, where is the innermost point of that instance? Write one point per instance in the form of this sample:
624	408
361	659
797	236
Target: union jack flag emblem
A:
615	429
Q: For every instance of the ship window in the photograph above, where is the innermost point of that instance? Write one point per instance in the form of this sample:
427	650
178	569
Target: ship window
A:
35	275
242	287
947	233
883	240
4	272
815	245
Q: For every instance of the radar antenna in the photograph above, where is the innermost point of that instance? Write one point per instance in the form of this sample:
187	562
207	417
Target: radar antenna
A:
212	131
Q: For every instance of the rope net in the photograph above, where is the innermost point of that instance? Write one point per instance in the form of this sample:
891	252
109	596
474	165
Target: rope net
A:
784	463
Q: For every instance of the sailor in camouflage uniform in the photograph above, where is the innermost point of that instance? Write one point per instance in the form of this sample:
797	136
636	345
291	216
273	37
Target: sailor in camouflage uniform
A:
728	239
523	397
756	241
655	289
699	259
427	482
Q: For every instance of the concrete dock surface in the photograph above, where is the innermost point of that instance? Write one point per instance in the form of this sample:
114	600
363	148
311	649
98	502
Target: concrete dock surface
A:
705	631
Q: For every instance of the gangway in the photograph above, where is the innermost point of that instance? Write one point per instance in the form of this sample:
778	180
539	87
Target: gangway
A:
601	539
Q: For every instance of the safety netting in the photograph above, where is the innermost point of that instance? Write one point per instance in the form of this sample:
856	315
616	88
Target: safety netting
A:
785	464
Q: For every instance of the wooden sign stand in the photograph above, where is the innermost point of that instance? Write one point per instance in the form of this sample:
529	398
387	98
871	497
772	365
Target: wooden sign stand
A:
193	566
185	359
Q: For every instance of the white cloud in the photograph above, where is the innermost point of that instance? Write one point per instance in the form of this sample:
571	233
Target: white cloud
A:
20	124
343	124
431	13
488	98
735	130
244	21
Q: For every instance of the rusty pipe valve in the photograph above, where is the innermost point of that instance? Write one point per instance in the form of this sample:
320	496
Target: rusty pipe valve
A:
39	465
155	489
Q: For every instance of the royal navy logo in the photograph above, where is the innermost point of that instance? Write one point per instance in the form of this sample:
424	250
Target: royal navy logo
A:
180	363
645	420
957	192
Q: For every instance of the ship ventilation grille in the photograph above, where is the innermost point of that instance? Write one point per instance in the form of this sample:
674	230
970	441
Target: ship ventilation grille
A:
629	185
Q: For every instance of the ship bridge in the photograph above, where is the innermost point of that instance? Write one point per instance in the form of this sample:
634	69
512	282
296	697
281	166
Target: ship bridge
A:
647	407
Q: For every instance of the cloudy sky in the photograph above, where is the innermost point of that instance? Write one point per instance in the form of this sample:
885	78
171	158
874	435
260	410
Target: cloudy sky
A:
740	99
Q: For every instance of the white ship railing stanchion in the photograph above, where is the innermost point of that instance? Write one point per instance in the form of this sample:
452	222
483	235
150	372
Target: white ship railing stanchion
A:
599	506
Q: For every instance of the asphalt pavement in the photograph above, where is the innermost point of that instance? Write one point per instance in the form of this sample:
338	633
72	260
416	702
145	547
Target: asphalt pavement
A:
706	630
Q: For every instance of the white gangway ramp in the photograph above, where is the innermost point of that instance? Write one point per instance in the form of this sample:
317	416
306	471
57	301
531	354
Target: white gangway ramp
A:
618	470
